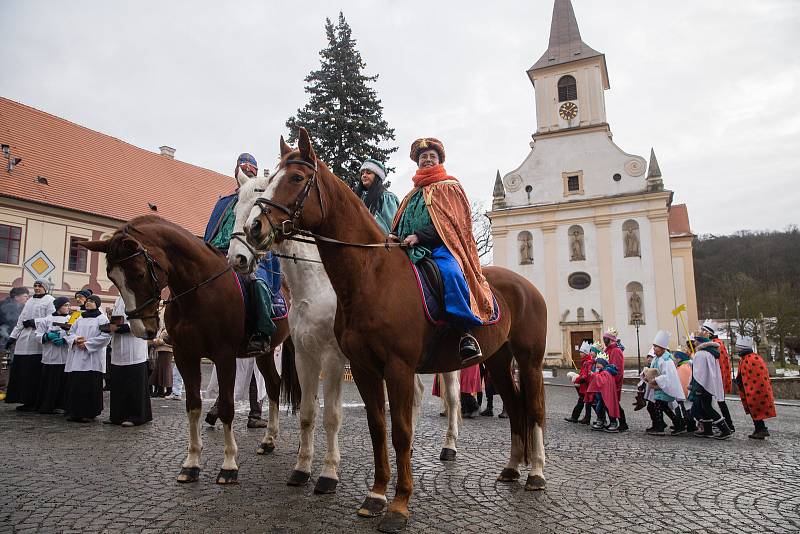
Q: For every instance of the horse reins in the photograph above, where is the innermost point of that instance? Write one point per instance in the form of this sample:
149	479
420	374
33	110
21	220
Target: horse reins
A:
151	264
290	230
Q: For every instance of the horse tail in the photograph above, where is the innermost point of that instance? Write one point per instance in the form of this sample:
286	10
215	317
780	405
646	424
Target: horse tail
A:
290	383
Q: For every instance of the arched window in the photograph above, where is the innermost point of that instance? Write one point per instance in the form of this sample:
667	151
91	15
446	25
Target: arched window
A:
567	89
525	245
577	250
635	295
630	239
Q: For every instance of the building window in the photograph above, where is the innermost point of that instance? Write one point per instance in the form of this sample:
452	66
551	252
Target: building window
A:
567	89
10	240
525	242
77	255
630	239
635	302
573	183
577	248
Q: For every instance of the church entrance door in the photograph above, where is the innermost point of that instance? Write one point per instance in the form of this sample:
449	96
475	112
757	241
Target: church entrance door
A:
576	339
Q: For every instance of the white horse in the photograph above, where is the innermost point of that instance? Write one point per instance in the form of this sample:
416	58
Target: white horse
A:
311	320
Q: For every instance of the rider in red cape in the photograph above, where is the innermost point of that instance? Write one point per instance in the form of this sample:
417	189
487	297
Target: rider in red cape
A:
435	221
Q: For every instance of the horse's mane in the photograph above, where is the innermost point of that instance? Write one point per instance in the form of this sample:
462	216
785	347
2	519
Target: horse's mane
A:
132	228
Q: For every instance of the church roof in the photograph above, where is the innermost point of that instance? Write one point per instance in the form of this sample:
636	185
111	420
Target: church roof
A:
70	166
653	170
678	221
566	44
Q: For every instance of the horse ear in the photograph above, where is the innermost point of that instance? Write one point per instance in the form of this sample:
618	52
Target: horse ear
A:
285	149
97	246
306	150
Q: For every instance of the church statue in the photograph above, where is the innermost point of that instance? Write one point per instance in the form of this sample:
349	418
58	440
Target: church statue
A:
632	242
635	303
525	249
576	246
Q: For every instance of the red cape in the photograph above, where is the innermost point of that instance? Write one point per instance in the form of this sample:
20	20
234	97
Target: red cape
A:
756	393
603	383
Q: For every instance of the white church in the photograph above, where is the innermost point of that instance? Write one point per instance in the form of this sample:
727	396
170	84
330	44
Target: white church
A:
591	225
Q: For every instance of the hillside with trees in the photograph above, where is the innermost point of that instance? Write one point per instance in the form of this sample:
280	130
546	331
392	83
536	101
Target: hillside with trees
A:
759	269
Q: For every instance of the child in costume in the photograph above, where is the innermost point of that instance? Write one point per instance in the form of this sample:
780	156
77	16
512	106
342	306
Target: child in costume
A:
603	386
581	381
666	388
754	386
683	362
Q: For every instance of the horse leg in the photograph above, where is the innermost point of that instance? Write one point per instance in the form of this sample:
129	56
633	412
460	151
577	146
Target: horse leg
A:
266	364
370	386
226	374
400	385
452	403
333	371
190	371
308	368
499	366
532	382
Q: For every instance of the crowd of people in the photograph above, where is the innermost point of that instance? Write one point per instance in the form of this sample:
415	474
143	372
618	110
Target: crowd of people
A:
65	354
687	387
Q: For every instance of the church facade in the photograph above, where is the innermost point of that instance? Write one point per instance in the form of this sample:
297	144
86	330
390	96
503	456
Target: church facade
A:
589	224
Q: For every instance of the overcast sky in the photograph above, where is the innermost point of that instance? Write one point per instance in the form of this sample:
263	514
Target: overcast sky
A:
712	85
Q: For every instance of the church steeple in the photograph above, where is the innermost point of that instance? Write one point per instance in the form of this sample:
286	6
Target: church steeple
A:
569	78
499	193
565	44
654	181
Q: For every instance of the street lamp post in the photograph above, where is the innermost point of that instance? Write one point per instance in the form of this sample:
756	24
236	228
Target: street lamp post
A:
637	321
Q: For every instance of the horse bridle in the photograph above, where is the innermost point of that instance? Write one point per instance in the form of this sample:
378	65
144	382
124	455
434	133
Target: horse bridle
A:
151	264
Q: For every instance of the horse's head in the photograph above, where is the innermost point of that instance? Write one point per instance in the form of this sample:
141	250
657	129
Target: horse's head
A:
241	255
288	201
138	277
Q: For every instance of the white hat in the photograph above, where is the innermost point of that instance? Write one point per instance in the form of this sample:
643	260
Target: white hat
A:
586	348
744	342
661	339
652	353
709	326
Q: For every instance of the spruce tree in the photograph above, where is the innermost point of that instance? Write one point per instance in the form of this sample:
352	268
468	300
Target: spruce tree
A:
344	115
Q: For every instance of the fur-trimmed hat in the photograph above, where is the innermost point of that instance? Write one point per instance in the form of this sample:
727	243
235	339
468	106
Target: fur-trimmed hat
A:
426	143
374	166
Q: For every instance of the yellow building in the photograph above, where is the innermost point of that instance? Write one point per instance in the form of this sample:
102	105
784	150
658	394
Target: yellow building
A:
64	183
591	225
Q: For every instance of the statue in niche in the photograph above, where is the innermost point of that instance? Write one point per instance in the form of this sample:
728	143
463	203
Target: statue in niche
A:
576	245
525	248
635	304
632	248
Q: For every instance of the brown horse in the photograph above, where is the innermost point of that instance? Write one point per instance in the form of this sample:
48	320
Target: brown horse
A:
383	332
205	318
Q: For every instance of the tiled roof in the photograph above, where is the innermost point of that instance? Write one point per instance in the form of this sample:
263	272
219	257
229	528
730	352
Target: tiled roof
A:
565	39
678	221
91	172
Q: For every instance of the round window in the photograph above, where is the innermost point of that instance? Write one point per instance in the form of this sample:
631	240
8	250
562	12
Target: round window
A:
579	280
617	177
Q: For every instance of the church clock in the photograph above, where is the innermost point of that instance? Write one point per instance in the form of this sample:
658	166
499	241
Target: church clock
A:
568	111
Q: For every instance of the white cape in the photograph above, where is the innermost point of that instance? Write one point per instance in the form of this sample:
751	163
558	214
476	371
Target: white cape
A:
669	381
705	371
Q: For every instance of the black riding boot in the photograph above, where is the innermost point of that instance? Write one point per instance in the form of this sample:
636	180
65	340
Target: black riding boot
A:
468	349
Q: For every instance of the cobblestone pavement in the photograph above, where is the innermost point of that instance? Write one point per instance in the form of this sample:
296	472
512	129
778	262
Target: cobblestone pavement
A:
58	476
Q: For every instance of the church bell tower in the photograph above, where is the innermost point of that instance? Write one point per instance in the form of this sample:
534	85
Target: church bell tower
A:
569	79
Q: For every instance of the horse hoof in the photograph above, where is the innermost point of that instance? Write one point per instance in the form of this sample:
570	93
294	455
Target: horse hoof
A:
372	507
189	474
265	448
228	476
393	522
535	483
298	478
508	475
325	485
447	455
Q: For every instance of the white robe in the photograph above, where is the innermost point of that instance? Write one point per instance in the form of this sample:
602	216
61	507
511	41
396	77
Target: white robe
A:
705	371
126	349
668	379
52	354
35	308
245	367
93	356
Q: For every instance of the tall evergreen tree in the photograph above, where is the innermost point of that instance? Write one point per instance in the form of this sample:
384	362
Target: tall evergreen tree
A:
344	115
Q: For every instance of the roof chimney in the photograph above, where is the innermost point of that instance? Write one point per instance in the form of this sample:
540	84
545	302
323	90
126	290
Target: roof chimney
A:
167	151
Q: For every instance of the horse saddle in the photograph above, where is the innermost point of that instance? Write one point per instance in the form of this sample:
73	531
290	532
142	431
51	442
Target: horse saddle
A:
431	284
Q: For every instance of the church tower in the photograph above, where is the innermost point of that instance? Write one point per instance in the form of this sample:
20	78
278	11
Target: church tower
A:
589	224
570	78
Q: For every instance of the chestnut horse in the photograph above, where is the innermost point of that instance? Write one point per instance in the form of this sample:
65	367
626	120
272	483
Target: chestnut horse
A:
205	317
382	330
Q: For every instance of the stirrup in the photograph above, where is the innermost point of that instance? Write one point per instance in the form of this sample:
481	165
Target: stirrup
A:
469	354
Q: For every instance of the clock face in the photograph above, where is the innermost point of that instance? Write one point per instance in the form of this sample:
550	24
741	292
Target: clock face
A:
568	111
